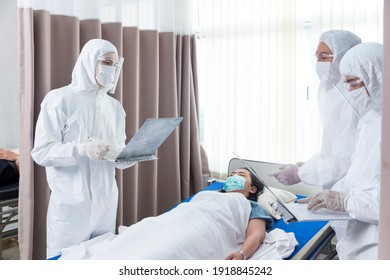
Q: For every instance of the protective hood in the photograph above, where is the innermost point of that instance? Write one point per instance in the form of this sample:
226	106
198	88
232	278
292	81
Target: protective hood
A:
339	42
83	75
365	62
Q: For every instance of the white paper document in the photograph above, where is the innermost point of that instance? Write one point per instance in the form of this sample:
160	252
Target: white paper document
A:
144	144
300	212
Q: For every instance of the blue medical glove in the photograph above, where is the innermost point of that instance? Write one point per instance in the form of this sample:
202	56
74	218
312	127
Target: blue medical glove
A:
328	199
288	174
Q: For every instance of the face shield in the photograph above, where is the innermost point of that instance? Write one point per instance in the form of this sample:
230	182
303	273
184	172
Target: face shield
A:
358	99
115	67
117	73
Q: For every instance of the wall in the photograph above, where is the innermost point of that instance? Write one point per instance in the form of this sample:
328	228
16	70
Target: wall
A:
9	94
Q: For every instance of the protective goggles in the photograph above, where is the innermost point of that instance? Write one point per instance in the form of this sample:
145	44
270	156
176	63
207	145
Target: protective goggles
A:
108	61
353	84
323	55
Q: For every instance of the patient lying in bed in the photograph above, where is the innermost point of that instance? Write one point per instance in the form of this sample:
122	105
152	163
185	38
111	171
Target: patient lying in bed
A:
212	225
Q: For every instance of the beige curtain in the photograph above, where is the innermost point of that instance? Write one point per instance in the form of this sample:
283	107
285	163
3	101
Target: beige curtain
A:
159	79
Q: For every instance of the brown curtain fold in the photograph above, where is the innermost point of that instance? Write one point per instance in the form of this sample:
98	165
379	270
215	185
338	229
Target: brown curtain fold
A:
26	85
158	80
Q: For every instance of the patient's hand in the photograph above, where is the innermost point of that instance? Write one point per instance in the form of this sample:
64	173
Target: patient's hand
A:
234	256
8	155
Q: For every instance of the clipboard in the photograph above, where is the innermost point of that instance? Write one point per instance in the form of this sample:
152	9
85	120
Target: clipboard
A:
144	144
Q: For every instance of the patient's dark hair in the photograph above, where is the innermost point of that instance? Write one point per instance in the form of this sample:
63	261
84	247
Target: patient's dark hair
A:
255	182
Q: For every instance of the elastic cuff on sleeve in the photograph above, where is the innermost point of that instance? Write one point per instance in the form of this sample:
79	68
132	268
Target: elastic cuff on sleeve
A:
346	197
79	150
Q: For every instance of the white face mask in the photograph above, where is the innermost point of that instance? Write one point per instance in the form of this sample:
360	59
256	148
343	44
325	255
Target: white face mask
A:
323	70
360	101
106	76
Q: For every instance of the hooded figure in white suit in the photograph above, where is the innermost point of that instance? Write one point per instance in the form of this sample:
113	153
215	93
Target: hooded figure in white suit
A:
77	125
358	192
339	122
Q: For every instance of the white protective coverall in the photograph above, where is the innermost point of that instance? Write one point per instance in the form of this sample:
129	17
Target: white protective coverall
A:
84	192
361	185
339	123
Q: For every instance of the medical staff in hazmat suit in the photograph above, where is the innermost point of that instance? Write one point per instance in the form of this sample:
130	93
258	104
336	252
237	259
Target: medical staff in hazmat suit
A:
358	192
77	125
338	120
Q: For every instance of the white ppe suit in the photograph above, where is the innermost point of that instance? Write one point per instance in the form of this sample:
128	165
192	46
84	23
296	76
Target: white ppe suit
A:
339	123
84	192
361	185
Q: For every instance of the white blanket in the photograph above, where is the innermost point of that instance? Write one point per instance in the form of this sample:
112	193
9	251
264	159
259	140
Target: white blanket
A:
210	226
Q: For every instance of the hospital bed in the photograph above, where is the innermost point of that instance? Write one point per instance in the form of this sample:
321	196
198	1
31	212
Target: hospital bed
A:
314	238
8	212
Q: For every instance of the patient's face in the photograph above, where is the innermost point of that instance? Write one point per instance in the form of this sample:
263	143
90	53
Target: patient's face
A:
248	184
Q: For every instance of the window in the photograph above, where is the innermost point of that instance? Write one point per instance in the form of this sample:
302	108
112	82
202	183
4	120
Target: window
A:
257	79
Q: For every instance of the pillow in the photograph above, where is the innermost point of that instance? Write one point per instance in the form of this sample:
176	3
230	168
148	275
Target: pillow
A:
267	197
